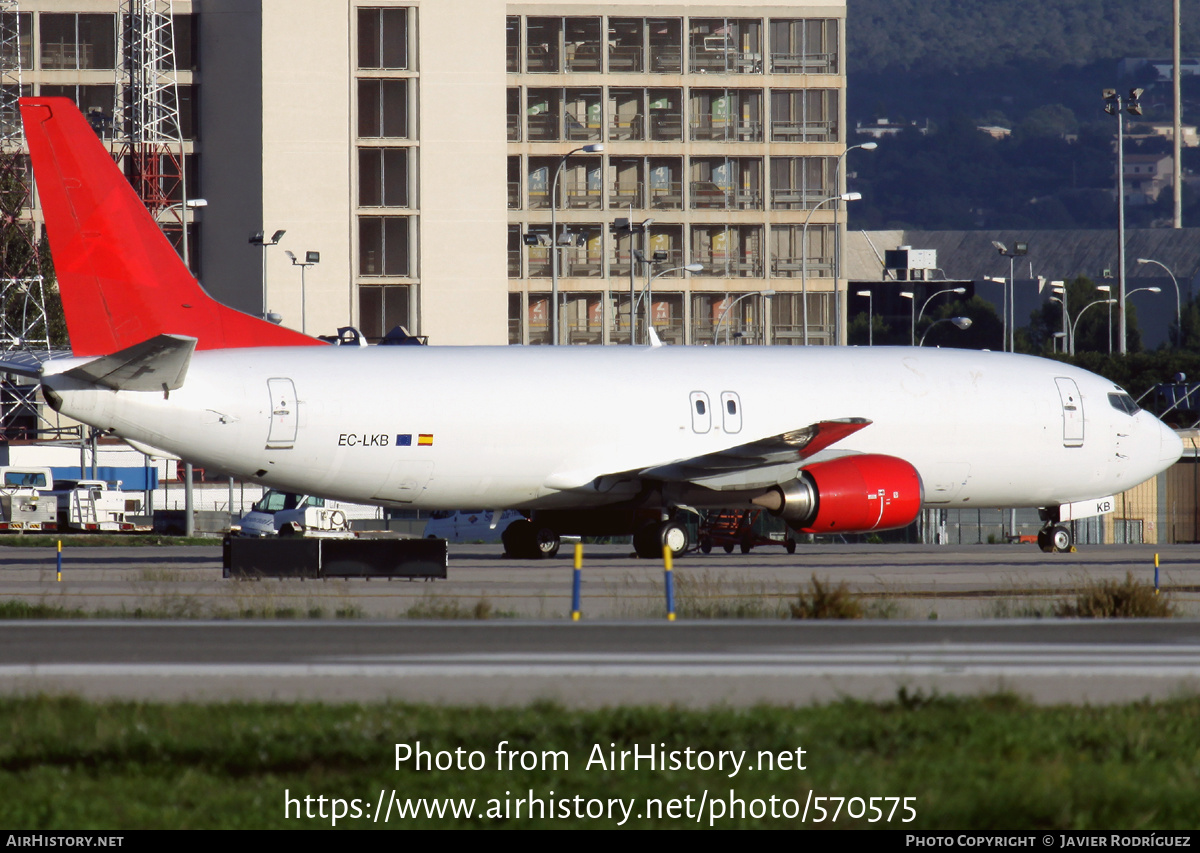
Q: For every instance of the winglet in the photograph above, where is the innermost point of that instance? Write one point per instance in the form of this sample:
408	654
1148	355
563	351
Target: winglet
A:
121	280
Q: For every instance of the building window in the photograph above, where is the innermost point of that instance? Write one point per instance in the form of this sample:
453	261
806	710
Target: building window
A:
800	183
381	309
804	47
726	115
790	258
583	44
726	183
184	37
725	46
727	251
383	109
78	42
665	40
804	115
383	38
383	177
383	245
543	37
512	44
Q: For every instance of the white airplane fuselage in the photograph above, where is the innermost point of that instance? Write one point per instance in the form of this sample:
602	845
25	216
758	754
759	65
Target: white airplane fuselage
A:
534	427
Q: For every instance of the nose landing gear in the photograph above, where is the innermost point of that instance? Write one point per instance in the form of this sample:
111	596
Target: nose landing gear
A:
1055	538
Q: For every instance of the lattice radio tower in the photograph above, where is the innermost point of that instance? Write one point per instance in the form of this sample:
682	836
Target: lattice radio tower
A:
146	128
23	322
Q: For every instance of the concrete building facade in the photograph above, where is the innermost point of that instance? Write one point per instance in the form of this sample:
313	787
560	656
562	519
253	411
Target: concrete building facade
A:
415	144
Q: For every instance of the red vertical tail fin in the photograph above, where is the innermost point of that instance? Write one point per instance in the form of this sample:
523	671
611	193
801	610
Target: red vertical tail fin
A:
120	279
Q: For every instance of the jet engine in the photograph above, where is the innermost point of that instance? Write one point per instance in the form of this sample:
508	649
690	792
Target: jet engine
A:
852	494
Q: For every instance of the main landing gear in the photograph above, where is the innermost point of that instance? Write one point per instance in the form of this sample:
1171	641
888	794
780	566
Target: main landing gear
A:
538	538
525	540
1055	538
650	539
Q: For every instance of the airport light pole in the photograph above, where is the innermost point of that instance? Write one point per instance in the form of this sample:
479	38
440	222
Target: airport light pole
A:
908	294
837	240
958	290
1019	248
766	294
310	259
647	291
963	323
870	316
257	239
1079	316
1140	289
184	207
593	148
1107	289
1178	306
1004	306
1113	106
1060	287
804	255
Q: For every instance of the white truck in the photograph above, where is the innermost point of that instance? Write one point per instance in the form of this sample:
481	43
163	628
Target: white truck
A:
285	514
97	505
25	500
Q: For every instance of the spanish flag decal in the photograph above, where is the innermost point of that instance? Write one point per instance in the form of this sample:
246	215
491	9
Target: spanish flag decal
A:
424	439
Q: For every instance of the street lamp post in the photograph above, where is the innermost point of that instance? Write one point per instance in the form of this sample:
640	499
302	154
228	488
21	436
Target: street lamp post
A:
593	148
804	255
963	323
1112	106
1079	316
766	294
870	316
257	239
921	313
647	291
1178	306
837	239
310	259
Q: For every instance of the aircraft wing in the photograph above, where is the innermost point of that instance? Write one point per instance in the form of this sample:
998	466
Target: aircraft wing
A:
738	465
756	463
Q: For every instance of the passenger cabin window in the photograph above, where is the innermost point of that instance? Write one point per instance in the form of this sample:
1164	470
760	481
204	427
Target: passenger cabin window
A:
1122	402
731	414
701	416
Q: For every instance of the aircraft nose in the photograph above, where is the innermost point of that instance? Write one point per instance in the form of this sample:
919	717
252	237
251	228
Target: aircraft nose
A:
1171	444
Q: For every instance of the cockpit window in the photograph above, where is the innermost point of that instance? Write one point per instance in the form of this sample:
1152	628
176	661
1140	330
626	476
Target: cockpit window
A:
1122	402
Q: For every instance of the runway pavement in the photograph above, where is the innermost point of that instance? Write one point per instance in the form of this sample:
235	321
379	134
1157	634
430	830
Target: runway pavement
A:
898	581
591	665
622	651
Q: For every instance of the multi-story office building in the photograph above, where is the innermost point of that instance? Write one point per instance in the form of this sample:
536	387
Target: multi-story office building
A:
422	148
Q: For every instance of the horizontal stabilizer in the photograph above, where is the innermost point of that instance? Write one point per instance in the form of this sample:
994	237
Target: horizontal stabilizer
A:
159	364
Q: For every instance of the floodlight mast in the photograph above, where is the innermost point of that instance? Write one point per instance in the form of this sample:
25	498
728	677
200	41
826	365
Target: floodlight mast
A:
1113	106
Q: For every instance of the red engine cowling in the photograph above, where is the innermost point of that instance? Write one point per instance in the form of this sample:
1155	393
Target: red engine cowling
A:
852	494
